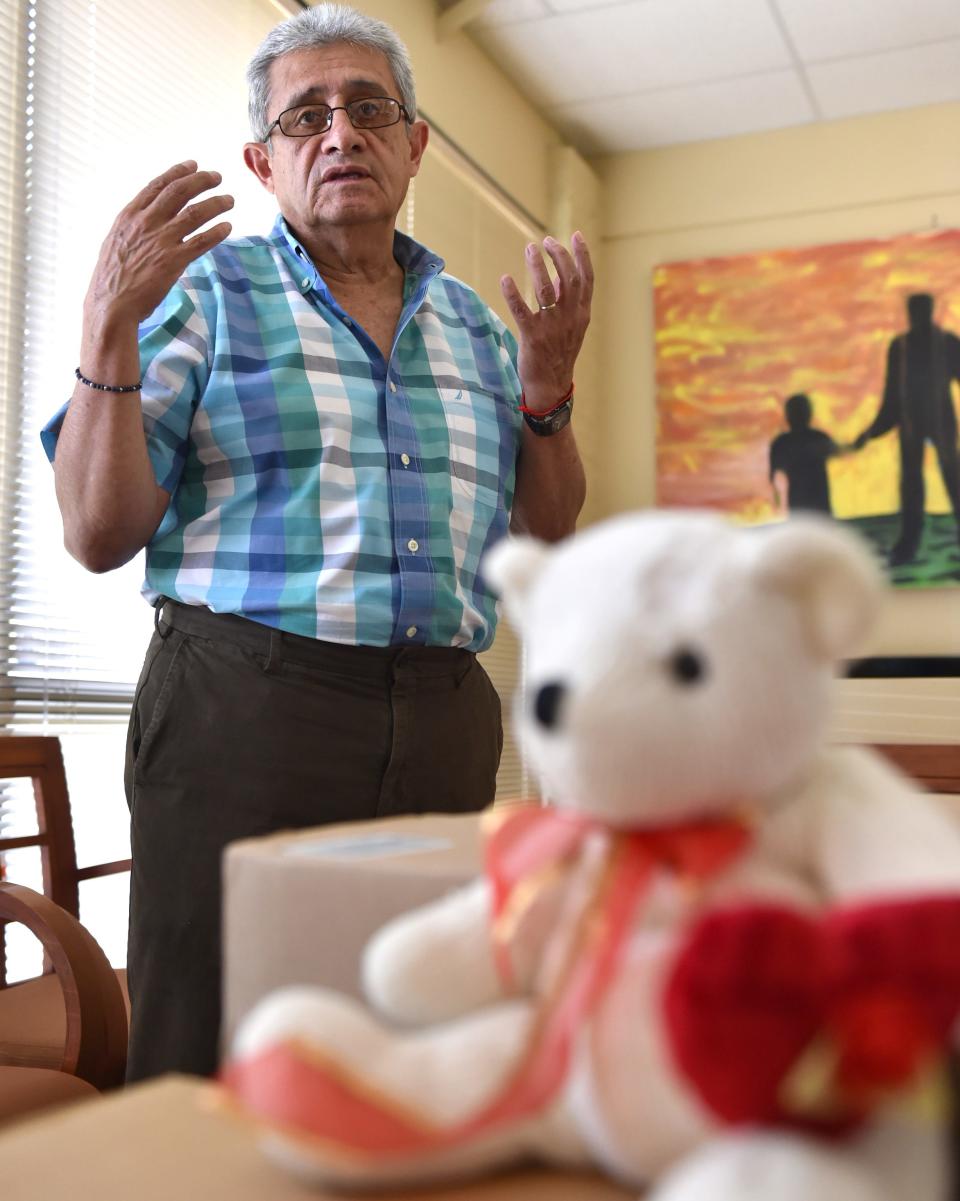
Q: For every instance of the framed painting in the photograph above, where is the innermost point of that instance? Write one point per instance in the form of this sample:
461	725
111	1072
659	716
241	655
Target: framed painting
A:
826	379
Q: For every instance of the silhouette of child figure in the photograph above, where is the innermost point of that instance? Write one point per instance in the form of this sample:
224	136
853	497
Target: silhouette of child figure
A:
801	454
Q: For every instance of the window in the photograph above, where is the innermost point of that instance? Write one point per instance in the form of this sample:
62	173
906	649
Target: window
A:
78	138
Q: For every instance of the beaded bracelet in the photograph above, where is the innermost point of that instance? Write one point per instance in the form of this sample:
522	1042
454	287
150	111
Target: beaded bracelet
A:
88	383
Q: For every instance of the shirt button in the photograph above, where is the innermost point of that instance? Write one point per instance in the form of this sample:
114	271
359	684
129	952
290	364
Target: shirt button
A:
411	630
393	386
405	460
305	282
347	321
413	545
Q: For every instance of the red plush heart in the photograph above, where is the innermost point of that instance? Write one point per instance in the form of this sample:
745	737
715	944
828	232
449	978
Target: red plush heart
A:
754	985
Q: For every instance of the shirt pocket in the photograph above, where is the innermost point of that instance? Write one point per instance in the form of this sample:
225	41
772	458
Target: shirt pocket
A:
478	438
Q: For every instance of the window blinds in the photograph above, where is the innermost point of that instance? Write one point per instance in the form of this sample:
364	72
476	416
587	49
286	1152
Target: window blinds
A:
99	97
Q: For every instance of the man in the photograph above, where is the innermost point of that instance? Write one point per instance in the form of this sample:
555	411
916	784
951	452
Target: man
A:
921	367
326	438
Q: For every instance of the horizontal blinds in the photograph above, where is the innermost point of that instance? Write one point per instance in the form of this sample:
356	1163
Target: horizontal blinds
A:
13	43
86	136
908	710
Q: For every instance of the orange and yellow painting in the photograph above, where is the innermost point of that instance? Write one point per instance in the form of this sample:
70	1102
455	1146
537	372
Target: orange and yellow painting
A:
823	378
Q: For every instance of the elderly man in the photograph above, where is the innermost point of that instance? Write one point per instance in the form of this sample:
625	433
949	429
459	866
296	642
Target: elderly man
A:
316	436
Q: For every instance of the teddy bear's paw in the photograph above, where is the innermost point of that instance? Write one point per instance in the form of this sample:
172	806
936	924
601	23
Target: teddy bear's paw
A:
767	1167
343	1100
435	963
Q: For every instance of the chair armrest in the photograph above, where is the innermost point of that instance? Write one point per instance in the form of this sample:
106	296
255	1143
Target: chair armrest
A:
96	1042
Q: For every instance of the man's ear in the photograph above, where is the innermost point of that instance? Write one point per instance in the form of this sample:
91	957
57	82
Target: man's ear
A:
257	157
418	135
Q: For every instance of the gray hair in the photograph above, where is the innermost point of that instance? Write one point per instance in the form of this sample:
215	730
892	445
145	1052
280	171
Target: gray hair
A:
325	25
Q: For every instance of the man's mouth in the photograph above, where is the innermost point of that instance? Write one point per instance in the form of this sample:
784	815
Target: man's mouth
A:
344	175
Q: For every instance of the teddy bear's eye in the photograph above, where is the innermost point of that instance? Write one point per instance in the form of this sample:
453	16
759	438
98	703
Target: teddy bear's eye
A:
687	666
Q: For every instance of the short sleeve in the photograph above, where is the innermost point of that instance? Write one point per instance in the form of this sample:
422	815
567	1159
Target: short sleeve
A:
174	363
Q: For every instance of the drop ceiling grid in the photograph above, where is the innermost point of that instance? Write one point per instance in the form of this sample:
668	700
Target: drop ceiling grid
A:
619	75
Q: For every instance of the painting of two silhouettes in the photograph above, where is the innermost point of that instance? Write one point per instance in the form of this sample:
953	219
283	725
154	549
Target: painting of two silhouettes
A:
824	379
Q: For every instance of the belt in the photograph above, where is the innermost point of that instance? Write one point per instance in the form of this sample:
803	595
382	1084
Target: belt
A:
279	645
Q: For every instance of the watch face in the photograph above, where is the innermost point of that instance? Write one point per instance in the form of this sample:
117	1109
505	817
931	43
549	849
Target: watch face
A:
553	423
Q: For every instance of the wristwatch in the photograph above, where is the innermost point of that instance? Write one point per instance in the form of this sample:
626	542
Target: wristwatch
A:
547	424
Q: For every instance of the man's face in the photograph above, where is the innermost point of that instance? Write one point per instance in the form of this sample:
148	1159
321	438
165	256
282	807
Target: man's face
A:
344	176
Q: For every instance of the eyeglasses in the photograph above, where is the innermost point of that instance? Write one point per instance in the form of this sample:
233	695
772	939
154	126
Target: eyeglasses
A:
370	112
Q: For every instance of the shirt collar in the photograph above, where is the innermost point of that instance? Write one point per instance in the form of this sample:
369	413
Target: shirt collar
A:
413	256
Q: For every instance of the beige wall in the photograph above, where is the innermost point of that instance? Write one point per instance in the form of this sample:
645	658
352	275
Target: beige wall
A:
870	177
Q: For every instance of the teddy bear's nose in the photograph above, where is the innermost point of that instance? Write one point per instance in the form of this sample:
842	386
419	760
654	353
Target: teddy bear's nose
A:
546	704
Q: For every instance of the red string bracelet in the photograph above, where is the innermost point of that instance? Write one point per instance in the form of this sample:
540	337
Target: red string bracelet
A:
544	412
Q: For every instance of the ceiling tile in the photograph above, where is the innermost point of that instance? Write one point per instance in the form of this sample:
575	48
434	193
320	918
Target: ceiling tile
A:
688	114
633	47
879	82
838	28
570	6
508	12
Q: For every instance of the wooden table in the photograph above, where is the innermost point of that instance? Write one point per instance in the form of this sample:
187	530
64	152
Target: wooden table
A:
165	1141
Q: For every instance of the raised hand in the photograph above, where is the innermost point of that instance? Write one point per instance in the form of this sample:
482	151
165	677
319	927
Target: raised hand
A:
550	337
149	244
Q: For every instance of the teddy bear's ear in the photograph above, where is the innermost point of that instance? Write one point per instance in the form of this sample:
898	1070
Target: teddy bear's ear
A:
831	575
511	567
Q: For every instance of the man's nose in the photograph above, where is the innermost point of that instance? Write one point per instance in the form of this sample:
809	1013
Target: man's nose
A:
342	132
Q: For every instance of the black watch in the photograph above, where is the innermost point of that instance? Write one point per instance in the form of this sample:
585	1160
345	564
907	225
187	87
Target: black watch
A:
552	422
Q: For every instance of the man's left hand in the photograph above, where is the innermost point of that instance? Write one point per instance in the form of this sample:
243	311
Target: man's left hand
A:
550	337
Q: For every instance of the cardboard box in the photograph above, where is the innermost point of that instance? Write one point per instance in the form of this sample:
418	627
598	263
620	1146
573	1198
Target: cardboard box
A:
300	907
166	1140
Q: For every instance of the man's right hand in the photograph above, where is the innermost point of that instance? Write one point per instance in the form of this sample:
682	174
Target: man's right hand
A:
149	245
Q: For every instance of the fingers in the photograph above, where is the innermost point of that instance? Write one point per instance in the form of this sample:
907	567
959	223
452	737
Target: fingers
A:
194	247
574	283
153	189
581	256
569	282
166	195
196	215
181	190
543	289
514	298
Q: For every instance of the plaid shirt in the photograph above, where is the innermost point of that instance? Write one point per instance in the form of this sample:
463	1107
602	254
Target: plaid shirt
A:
317	488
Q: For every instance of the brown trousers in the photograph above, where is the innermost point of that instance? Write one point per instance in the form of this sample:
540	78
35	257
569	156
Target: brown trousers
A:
238	730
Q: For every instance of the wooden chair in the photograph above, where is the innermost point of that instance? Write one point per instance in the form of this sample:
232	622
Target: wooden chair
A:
95	1012
68	1017
934	765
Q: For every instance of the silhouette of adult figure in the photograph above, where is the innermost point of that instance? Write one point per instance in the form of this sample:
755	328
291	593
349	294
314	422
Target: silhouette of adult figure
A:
917	400
801	454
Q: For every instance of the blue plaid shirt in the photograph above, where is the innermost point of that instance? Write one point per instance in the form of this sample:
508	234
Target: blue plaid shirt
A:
315	487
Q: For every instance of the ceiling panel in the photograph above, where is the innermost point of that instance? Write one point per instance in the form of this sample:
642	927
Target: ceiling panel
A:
597	66
618	49
688	114
508	12
839	28
900	79
569	6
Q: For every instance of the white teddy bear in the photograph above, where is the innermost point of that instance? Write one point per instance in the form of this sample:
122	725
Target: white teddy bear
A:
720	938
